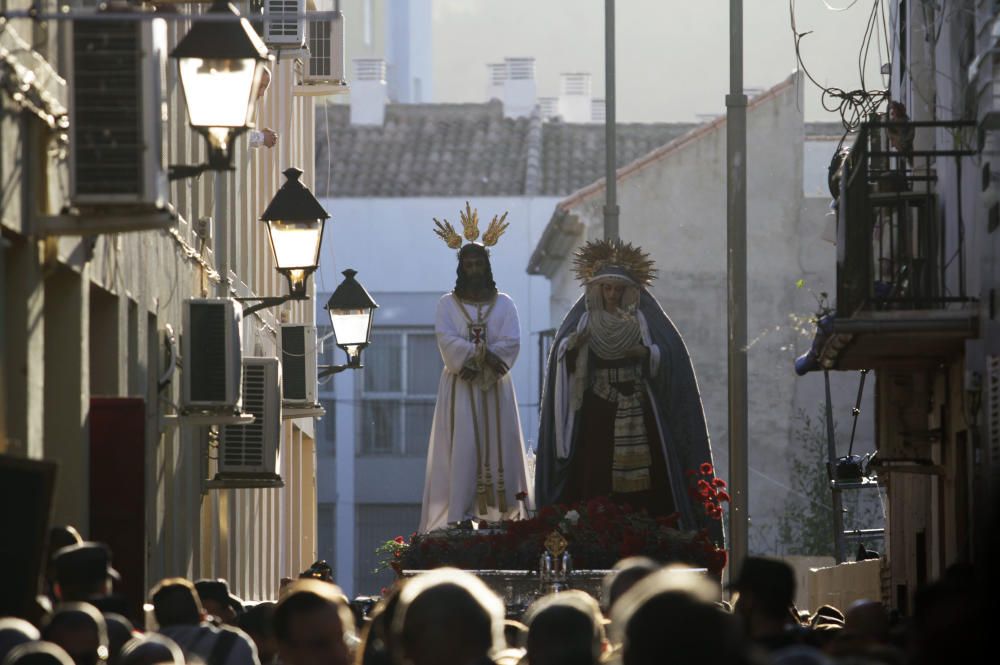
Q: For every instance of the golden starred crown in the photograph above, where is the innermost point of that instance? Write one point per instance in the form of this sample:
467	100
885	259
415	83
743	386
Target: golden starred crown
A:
470	228
599	257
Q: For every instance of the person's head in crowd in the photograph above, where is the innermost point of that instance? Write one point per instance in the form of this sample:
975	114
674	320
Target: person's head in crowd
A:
258	623
766	592
81	630
59	537
120	631
38	653
83	571
39	611
447	617
623	577
176	603
313	624
673	613
217	600
867	623
151	649
377	643
823	635
320	570
565	629
827	614
515	634
15	632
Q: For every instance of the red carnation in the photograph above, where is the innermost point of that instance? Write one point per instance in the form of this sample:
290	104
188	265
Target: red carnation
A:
723	496
718	482
399	539
706	469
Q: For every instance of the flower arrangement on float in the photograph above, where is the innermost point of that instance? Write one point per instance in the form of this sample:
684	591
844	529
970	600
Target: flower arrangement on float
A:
599	532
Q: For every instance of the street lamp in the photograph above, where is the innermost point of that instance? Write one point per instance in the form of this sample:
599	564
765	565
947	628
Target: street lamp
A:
295	221
351	311
221	65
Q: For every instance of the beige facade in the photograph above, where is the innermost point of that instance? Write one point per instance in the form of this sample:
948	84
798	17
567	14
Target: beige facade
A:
87	317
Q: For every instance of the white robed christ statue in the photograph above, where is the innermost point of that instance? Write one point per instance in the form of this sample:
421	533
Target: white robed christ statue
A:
475	463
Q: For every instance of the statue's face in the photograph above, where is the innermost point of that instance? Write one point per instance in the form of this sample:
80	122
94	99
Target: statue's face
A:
612	294
474	265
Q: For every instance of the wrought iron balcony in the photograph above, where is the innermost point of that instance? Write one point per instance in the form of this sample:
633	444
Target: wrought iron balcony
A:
894	250
901	263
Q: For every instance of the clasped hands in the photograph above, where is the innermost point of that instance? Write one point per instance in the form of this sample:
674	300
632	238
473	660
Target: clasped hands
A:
492	360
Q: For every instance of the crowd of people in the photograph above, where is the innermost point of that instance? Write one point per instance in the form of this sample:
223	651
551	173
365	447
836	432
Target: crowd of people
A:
647	614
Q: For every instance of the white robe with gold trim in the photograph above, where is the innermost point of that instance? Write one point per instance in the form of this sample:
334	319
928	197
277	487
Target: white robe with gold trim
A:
452	459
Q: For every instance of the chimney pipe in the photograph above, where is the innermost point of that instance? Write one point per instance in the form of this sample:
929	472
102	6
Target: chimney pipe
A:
519	88
575	96
368	91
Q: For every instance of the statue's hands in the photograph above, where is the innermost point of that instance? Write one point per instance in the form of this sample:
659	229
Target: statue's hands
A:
581	338
496	363
467	374
639	352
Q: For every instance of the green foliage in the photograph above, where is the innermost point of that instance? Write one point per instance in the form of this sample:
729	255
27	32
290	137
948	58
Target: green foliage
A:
805	526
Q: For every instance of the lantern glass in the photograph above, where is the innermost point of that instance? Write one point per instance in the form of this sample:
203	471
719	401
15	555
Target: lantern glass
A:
296	243
352	327
220	91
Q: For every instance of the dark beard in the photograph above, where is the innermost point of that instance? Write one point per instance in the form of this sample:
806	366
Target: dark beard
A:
474	288
475	284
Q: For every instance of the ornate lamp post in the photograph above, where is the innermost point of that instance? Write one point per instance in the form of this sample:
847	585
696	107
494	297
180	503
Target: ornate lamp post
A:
351	311
221	65
295	221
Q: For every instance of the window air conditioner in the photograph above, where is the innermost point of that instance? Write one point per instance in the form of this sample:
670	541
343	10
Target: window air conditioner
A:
326	64
248	454
116	81
298	364
283	25
212	347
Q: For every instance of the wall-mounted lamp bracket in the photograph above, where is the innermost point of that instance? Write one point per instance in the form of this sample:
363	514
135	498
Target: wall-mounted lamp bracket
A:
265	302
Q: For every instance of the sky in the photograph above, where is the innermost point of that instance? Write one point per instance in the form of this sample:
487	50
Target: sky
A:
672	55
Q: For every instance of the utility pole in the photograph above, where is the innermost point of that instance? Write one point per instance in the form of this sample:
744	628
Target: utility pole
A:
610	174
736	253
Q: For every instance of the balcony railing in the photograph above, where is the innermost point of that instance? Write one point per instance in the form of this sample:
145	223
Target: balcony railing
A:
894	251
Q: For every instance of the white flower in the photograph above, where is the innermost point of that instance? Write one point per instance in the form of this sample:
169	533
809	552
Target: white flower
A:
572	517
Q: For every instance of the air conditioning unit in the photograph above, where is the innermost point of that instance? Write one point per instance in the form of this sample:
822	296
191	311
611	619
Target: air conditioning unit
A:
248	454
212	347
116	80
298	364
283	23
327	62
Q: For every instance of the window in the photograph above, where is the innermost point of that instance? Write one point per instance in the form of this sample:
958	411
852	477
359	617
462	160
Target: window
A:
399	386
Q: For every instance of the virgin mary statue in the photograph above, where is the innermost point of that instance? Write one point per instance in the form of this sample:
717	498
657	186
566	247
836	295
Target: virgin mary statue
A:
621	412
